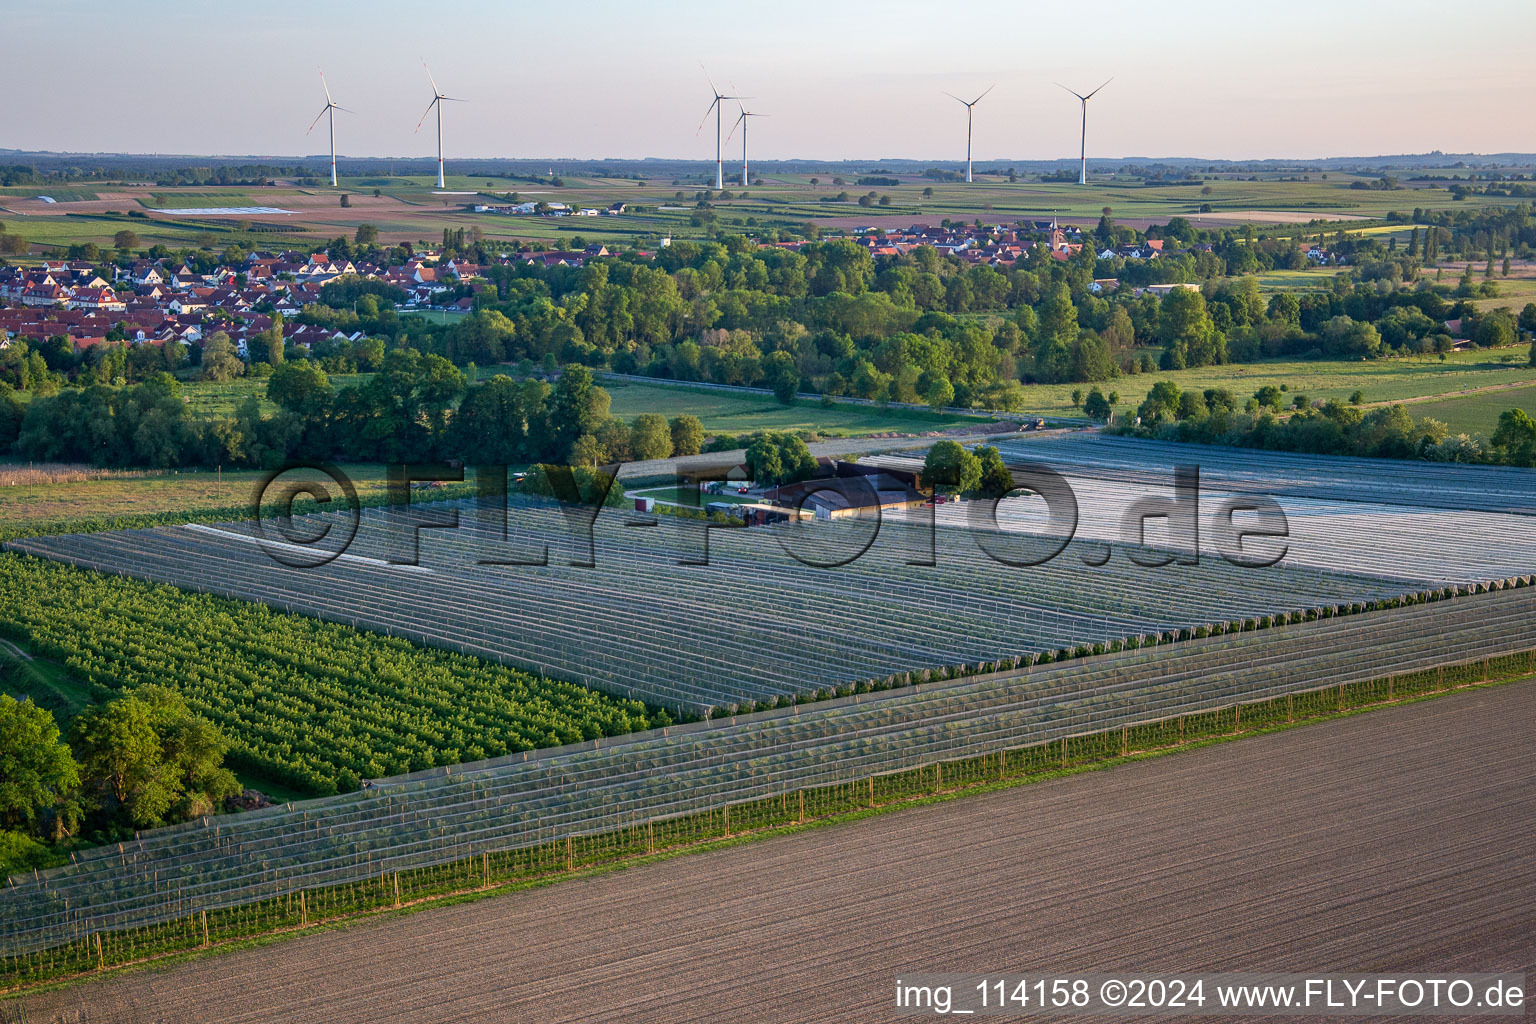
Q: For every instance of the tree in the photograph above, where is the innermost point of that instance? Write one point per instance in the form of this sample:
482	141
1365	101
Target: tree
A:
1096	405
1192	405
995	479
576	407
12	415
687	434
146	759
1516	434
125	239
367	234
301	388
1268	397
650	437
122	761
346	201
1189	336
220	360
779	458
783	376
268	345
951	467
39	779
1527	322
940	394
1495	329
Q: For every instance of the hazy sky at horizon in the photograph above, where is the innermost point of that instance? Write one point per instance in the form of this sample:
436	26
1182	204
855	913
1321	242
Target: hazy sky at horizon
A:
1310	78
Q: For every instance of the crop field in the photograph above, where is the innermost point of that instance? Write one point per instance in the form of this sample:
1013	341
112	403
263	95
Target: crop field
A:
875	616
1387	808
520	816
309	704
411	209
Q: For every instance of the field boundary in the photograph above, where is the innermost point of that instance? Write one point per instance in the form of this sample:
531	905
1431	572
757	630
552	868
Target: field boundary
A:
488	874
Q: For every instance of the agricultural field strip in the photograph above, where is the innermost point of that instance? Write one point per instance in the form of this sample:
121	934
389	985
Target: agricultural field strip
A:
1219	851
1428	545
498	805
1328	477
872	618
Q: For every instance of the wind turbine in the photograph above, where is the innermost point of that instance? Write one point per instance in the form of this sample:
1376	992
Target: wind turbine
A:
742	121
715	107
331	106
437	101
1082	175
968	108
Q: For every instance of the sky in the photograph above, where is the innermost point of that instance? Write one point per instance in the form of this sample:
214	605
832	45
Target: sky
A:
841	80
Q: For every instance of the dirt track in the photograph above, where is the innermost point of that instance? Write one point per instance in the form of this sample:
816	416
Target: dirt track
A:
1397	840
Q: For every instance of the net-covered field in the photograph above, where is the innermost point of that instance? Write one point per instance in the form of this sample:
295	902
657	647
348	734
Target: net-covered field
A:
609	794
1329	477
1430	524
755	624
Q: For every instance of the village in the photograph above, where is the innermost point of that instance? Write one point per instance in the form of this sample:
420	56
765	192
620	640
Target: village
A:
156	301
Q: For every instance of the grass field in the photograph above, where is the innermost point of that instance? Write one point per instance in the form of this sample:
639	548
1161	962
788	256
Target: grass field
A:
733	413
156	493
1381	380
720	412
1479	413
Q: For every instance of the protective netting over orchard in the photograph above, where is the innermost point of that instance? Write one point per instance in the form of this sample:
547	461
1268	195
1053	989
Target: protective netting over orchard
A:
1412	521
1332	477
469	811
755	624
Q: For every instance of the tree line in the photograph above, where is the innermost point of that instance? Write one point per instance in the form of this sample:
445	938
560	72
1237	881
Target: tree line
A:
414	408
1215	416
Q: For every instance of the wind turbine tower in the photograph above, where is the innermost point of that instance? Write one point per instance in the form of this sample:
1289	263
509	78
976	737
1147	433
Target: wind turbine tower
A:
715	108
437	101
969	107
742	122
1082	174
331	106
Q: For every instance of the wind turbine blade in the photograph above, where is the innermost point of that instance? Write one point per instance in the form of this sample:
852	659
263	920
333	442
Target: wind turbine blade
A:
978	99
707	111
452	99
1079	95
711	81
1111	78
317	118
343	109
435	90
957	99
327	88
424	115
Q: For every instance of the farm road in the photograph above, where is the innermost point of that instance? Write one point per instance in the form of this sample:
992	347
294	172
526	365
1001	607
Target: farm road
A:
1397	840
